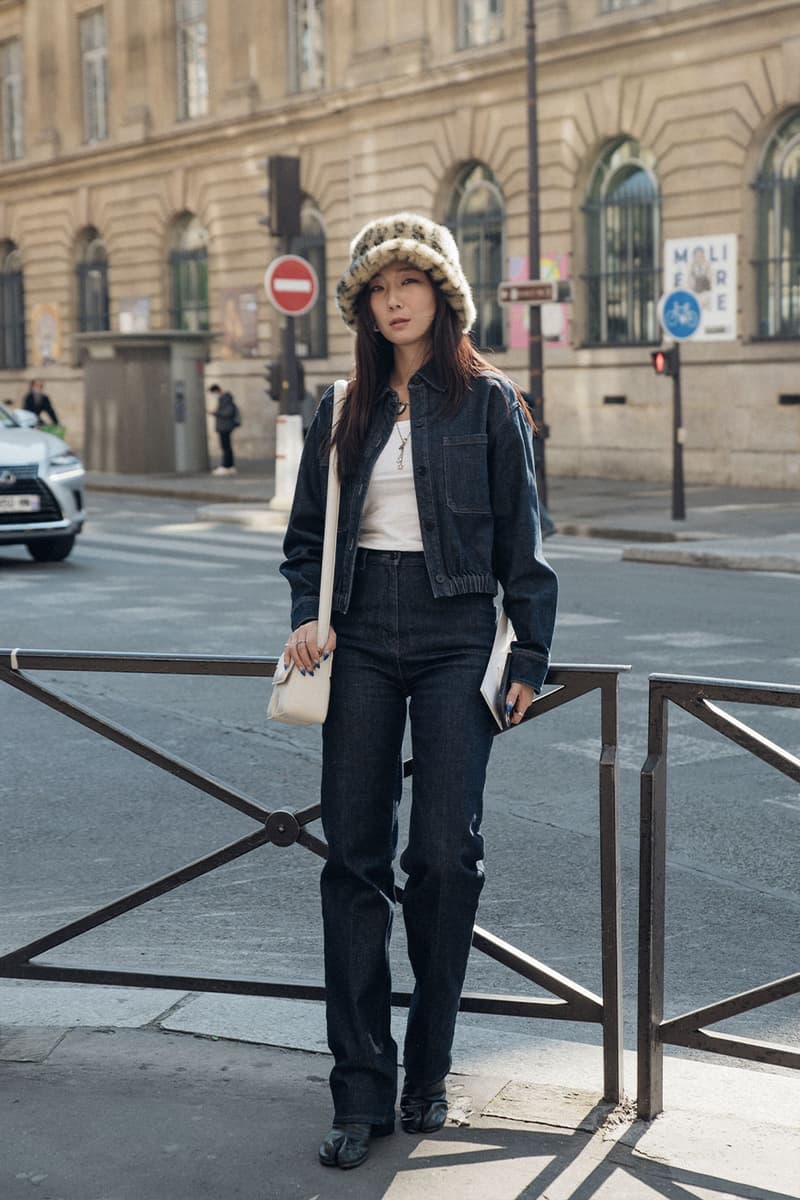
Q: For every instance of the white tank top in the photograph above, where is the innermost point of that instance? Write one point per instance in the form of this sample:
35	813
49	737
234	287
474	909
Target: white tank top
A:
390	520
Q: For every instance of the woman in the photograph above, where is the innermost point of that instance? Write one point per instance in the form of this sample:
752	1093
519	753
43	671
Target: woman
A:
438	506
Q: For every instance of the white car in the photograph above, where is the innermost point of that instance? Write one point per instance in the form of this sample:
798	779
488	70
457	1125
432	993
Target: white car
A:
41	488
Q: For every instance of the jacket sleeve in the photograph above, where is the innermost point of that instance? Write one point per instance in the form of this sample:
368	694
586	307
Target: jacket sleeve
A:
302	544
529	583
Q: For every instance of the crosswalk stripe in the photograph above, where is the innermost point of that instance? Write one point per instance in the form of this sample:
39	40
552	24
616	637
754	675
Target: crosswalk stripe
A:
86	549
184	547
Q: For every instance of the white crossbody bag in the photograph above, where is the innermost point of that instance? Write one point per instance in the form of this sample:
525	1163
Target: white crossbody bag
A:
303	699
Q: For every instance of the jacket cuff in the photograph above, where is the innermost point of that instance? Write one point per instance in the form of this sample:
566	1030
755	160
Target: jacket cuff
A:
528	667
305	610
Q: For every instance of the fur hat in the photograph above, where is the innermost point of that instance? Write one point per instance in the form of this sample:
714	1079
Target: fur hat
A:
406	237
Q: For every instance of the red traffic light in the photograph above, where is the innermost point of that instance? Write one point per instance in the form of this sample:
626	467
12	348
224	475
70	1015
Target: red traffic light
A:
665	362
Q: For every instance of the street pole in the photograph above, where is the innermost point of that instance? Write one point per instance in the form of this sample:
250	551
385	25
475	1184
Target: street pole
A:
289	401
678	433
535	362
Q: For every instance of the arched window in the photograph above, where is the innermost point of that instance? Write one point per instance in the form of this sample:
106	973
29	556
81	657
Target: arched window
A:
623	230
475	216
778	262
311	331
188	270
91	274
12	308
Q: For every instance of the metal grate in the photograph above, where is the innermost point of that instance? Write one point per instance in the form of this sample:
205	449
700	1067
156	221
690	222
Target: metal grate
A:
624	278
778	265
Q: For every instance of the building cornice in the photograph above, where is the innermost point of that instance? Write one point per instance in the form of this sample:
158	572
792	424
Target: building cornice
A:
286	122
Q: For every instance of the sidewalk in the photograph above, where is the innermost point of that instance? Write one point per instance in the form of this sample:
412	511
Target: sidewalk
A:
140	1111
725	527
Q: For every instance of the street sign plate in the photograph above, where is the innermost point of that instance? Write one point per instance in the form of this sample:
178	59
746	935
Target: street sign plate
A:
529	291
291	285
679	313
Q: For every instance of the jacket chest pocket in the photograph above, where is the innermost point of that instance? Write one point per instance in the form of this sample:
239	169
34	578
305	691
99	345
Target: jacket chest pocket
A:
466	473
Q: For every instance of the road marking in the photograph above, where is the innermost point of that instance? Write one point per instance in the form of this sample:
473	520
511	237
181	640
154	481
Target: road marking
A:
793	805
186	546
103	553
573	619
690	639
683	750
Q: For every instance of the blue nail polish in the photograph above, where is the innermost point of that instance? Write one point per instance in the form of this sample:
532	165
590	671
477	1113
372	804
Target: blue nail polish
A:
302	672
509	708
326	656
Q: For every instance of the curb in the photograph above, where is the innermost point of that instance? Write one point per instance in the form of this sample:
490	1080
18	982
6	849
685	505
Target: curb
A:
167	492
709	558
252	515
617	533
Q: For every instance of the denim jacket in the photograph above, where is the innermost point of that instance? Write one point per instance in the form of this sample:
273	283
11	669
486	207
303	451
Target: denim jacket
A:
478	510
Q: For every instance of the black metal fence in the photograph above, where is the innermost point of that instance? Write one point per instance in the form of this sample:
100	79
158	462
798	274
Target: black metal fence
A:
697	697
568	1001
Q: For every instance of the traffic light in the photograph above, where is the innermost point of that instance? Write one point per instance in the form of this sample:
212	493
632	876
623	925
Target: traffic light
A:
665	362
284	196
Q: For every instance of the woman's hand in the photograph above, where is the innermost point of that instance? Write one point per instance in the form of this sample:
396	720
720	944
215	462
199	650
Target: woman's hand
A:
518	701
302	649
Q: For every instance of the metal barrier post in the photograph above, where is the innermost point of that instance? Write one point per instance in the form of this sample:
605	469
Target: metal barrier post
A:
698	697
652	872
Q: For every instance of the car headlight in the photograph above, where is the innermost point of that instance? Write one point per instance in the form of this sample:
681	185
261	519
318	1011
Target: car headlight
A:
64	466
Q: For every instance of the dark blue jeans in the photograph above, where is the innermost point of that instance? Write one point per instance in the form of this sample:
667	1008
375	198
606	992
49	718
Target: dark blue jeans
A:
399	649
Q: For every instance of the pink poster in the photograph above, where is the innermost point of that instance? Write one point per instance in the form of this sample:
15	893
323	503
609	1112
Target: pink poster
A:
555	317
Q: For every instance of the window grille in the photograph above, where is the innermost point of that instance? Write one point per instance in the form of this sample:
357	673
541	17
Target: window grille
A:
480	22
188	269
778	262
307	44
92	279
311	331
12	309
623	233
11	102
192	48
94	70
476	217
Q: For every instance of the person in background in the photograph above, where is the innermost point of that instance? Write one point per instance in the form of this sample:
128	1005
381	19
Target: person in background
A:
438	507
38	402
226	419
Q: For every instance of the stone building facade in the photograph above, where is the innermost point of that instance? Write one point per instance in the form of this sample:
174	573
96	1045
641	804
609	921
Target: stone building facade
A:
131	186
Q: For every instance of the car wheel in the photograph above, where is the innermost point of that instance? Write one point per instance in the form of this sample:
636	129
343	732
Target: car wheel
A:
53	549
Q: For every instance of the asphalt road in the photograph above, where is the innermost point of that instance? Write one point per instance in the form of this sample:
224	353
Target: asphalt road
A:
84	822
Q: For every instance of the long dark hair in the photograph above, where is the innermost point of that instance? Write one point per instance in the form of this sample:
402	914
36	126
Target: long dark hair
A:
453	356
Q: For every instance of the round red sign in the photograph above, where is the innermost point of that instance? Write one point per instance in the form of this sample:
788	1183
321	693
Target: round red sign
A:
291	284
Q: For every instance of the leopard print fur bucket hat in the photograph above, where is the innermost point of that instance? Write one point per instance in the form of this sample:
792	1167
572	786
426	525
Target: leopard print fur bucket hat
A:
405	237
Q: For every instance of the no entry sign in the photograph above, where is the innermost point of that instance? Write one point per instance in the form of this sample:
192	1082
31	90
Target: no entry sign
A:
292	285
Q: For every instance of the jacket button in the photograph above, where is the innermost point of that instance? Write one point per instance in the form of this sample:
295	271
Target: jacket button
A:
440	578
430	524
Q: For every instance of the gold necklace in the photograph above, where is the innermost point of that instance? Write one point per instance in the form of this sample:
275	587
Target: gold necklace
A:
403	444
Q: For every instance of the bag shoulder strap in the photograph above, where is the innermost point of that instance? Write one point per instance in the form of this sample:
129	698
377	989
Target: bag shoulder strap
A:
331	523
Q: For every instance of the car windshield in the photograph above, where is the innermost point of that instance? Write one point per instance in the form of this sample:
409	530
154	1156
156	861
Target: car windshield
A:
6	419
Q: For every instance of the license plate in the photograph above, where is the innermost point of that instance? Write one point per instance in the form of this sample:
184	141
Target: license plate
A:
23	504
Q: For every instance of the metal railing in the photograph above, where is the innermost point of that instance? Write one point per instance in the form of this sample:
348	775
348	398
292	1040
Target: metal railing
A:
697	697
569	1000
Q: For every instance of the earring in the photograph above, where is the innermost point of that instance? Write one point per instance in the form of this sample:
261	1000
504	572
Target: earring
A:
375	329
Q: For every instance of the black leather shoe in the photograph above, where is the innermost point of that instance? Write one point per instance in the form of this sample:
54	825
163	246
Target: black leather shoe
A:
347	1145
423	1108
